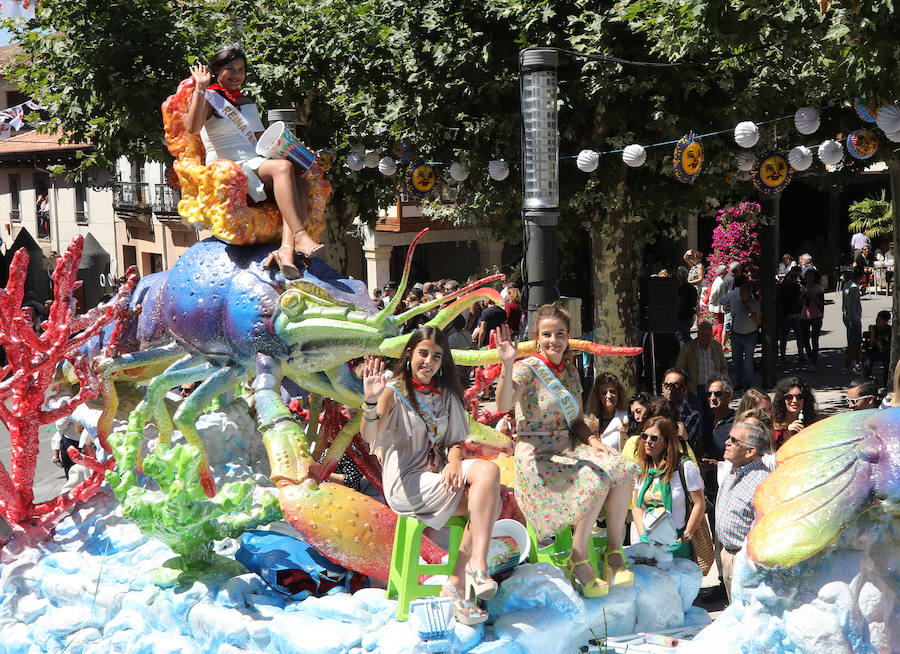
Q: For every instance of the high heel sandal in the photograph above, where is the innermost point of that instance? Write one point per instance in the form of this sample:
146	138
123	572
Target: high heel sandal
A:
288	269
592	589
480	582
465	610
317	248
617	577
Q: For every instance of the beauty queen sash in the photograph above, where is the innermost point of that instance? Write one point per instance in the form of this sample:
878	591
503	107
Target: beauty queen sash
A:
566	401
230	113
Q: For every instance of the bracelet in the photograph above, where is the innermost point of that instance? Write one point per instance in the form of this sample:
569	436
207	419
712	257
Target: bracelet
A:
198	91
375	419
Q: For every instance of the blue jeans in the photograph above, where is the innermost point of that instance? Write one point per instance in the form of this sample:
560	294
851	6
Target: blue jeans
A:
742	346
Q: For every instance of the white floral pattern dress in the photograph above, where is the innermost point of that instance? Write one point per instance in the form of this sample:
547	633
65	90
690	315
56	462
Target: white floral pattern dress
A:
557	477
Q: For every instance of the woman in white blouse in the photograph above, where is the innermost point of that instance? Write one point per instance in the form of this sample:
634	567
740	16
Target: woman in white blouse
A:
606	409
223	140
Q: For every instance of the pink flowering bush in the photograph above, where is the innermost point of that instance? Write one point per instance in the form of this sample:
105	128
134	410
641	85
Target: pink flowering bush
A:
735	238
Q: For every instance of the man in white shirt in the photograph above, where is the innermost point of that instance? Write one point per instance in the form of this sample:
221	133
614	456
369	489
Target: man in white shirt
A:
857	241
715	299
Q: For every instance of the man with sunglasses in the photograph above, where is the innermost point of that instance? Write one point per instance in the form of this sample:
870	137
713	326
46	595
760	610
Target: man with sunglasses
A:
734	505
674	389
862	394
720	420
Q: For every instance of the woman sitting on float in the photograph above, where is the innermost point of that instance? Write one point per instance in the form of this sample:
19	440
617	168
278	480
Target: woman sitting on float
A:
419	421
223	140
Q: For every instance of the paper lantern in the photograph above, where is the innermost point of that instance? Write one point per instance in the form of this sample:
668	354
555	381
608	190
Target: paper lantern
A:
746	134
587	161
458	171
634	155
371	159
806	120
831	152
771	172
862	143
893	136
864	111
355	161
358	148
387	166
800	157
498	169
888	119
745	161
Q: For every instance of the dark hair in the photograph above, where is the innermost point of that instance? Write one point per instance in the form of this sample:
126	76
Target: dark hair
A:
779	410
677	370
866	386
445	378
660	406
884	315
594	406
640	398
226	54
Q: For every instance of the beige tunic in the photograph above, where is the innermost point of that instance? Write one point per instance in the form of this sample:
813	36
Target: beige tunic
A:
412	486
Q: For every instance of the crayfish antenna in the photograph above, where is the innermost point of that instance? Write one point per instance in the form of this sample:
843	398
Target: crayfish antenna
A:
381	317
436	302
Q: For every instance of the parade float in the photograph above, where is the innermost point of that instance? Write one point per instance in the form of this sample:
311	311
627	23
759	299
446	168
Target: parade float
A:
153	552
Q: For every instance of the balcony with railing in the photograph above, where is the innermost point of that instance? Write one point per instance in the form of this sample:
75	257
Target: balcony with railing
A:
131	203
165	208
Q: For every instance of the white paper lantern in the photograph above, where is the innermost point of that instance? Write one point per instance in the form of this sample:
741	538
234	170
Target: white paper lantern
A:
358	148
800	157
893	136
745	161
458	171
806	120
831	152
387	166
371	159
355	161
498	169
587	161
888	119
634	155
746	134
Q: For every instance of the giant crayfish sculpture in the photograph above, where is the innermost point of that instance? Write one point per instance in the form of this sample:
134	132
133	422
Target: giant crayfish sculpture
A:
219	318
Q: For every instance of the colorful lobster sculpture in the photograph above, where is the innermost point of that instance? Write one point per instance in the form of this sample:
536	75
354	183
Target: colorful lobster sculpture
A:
219	318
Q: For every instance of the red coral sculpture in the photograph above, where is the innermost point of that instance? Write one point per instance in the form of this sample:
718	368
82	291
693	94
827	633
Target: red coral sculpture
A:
32	364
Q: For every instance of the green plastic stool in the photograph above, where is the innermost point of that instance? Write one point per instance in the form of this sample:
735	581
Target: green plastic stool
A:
403	579
557	553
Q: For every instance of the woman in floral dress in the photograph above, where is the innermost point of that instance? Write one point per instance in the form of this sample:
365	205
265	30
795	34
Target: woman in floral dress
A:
564	474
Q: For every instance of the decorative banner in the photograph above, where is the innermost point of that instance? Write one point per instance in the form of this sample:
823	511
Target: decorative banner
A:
862	143
17	9
5	131
865	112
420	178
688	158
771	172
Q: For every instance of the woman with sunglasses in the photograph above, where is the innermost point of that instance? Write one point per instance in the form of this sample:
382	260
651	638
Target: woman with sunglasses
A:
793	408
565	475
667	478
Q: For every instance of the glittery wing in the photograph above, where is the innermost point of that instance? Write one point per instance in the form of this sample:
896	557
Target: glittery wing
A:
822	483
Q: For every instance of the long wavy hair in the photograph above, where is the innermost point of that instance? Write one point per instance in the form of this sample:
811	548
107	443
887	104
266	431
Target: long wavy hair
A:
779	407
446	378
594	405
672	452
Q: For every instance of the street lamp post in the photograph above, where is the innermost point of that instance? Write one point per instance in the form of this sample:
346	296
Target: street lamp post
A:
540	174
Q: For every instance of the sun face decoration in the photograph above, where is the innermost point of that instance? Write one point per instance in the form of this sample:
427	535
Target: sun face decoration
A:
867	112
862	143
771	172
420	178
688	158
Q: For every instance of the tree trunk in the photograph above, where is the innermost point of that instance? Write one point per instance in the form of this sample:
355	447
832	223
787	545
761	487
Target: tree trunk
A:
894	172
613	278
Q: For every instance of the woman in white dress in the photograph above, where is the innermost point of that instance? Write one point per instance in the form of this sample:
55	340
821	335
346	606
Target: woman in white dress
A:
223	140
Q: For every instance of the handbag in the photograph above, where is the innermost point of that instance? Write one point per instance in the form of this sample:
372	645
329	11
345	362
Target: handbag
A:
704	552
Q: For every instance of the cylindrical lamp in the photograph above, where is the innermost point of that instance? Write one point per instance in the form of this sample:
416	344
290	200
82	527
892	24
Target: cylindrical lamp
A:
540	175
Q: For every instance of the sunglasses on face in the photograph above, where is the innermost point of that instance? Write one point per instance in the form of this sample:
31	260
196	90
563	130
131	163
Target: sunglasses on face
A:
793	398
670	385
716	393
735	441
852	401
653	438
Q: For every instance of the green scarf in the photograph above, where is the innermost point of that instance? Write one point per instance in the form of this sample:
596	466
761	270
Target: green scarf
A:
665	489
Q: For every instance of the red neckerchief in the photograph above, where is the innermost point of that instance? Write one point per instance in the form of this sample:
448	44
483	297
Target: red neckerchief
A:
555	367
233	96
422	388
